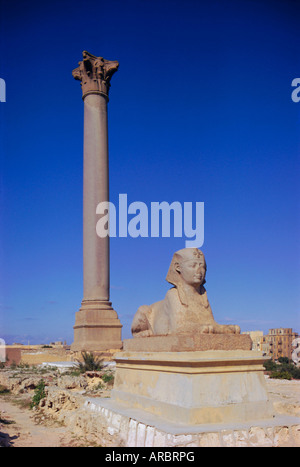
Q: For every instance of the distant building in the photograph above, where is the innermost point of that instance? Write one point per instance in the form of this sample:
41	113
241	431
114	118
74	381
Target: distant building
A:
257	339
278	343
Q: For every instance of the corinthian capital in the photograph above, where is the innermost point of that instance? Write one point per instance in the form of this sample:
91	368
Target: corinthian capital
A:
95	74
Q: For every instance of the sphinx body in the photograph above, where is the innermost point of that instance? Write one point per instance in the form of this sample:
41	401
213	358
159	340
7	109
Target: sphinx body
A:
185	308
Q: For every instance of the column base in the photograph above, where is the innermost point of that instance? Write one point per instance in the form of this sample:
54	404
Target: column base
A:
97	327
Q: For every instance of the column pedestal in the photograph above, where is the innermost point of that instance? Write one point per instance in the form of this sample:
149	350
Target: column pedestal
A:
97	327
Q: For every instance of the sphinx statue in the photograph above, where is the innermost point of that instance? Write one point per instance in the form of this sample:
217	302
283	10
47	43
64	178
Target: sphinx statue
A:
185	308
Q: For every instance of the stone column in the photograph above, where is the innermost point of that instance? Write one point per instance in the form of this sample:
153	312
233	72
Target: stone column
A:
97	326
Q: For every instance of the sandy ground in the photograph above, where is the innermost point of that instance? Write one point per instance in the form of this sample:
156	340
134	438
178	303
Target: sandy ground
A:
24	428
285	395
26	431
21	427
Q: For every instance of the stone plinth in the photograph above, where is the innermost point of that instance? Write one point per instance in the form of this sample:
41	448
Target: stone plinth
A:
97	327
187	343
199	387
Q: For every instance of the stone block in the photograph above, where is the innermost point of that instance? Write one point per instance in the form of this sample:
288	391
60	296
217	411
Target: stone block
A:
282	437
132	428
160	439
116	421
123	430
141	435
258	437
149	437
241	438
208	440
228	439
295	433
182	440
206	386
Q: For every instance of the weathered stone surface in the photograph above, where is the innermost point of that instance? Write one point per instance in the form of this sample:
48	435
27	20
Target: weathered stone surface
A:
208	440
295	433
94	74
19	384
149	439
159	439
228	438
72	382
132	432
258	436
60	400
283	437
132	428
189	342
198	387
241	438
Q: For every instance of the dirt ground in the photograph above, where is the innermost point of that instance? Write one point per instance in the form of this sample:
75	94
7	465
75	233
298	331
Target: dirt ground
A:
22	427
285	395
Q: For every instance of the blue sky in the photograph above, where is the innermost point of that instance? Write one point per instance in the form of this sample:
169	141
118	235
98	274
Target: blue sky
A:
200	110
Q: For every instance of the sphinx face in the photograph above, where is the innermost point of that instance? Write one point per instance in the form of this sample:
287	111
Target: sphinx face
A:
192	271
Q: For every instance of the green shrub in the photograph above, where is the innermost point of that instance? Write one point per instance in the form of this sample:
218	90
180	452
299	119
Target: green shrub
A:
294	371
285	367
39	394
108	377
281	375
90	362
284	360
270	365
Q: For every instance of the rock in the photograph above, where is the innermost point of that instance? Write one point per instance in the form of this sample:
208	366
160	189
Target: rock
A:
71	382
60	400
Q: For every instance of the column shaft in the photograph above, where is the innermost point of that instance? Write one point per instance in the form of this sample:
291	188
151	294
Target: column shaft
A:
95	190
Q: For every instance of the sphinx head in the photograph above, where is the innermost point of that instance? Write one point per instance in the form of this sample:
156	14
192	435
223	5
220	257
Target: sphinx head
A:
188	267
